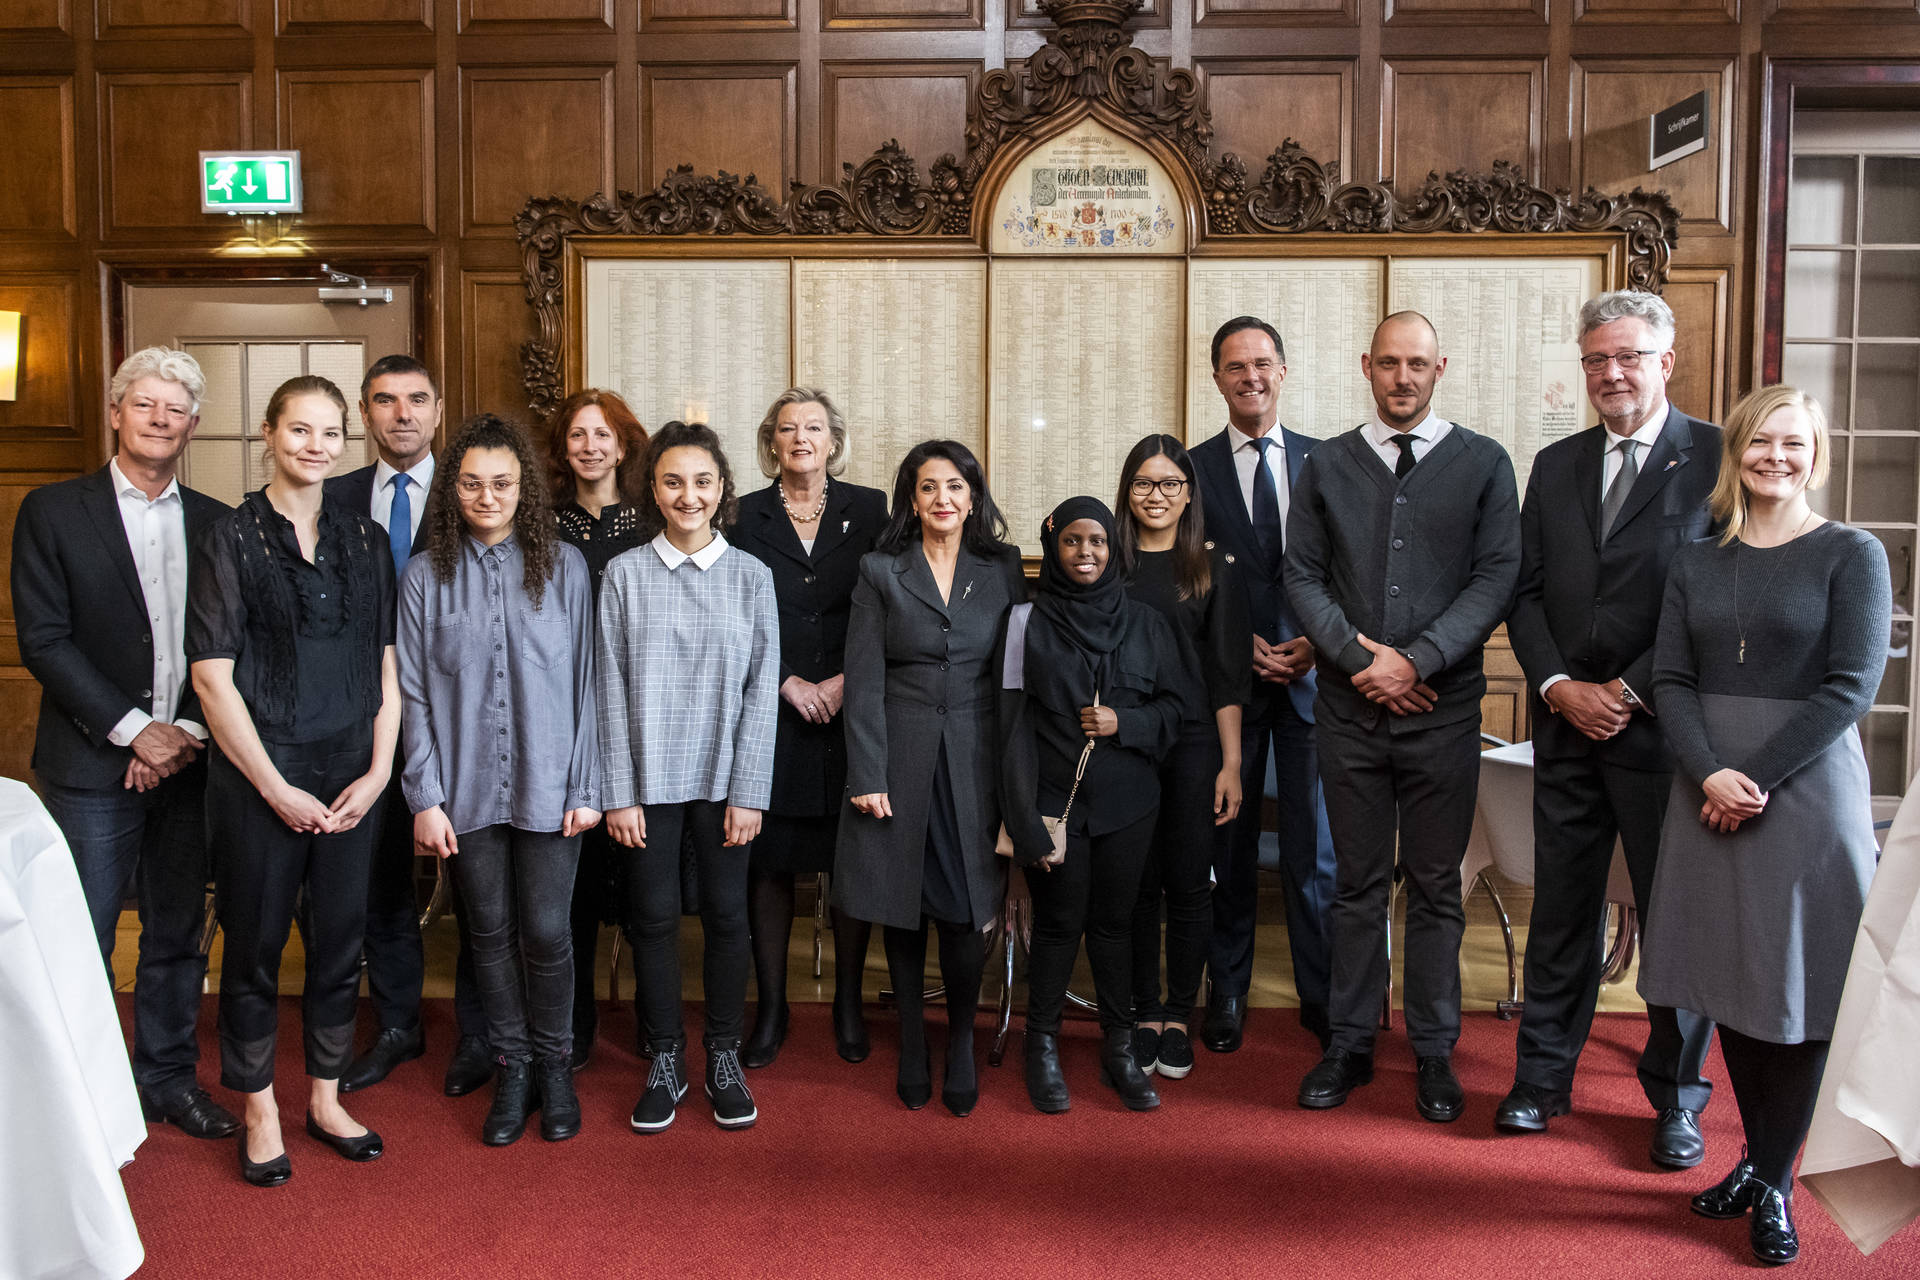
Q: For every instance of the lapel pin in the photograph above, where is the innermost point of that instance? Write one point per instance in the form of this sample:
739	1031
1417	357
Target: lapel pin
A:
967	592
1671	464
844	525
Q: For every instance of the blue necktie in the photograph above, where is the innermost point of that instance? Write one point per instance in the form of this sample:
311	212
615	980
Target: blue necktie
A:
1266	506
400	525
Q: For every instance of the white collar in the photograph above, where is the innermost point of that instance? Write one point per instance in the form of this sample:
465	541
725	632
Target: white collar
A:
673	557
420	474
123	487
1238	439
1647	434
1427	428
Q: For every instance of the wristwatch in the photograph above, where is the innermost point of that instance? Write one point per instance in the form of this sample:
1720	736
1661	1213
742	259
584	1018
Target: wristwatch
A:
1629	697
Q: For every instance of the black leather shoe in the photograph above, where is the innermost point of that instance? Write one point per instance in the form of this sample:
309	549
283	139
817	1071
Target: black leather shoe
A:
196	1114
1046	1085
913	1082
514	1100
1438	1094
1527	1108
1328	1084
392	1047
1771	1232
850	1029
1730	1197
472	1066
1677	1143
559	1105
1220	1031
769	1033
269	1173
360	1150
1119	1069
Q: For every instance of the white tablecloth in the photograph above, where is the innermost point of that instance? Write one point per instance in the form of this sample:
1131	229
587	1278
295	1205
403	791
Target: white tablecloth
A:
69	1116
1503	824
1863	1152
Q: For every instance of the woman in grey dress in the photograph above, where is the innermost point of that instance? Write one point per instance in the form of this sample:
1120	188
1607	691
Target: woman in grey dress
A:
1772	641
916	836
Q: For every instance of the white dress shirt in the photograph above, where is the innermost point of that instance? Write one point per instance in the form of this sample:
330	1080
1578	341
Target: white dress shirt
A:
673	557
420	478
1429	432
157	536
1246	462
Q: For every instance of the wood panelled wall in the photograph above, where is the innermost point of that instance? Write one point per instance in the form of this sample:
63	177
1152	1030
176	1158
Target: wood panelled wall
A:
426	123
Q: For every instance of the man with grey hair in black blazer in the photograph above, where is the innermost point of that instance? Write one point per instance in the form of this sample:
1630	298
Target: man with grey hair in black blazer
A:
1403	546
1606	511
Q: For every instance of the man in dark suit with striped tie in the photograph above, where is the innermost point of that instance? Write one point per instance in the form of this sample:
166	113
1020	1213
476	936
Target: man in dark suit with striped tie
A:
1246	473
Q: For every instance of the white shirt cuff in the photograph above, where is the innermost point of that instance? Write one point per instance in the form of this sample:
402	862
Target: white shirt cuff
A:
123	734
1551	681
193	727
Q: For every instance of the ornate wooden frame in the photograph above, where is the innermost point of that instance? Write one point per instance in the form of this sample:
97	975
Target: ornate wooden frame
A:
1088	65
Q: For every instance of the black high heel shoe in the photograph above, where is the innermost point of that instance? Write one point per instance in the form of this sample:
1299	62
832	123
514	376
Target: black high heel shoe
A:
269	1173
850	1029
915	1089
960	1101
361	1149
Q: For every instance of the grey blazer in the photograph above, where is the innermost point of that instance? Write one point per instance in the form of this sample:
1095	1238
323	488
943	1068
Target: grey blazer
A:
921	673
1426	564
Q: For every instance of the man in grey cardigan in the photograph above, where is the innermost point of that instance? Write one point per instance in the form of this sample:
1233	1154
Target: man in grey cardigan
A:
1403	548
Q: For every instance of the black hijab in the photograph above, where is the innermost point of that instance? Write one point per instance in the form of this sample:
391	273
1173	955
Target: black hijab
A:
1075	626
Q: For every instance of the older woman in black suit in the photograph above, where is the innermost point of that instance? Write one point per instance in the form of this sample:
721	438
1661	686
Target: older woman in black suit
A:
916	840
811	531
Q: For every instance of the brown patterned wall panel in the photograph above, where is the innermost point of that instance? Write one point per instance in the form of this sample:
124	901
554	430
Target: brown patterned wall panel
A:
1153	13
533	132
37	15
155	126
494	320
922	105
925	14
1822	10
318	15
1259	104
11	495
1698	296
19	711
1274	13
46	403
1655	11
367	176
1429	12
736	118
535	15
36	165
174	17
1612	103
719	15
1438	116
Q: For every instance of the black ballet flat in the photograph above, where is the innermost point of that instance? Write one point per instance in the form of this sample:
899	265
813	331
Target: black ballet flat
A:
360	1150
270	1173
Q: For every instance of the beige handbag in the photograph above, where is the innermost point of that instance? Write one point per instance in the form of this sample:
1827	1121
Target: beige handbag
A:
1056	827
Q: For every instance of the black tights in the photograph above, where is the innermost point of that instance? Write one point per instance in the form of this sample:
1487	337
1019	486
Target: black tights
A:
1775	1086
770	920
963	955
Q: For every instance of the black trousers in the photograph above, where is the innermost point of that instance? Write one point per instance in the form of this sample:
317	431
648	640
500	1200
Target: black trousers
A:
598	899
1094	893
1418	790
518	887
260	866
1775	1087
1579	806
396	958
653	921
1176	871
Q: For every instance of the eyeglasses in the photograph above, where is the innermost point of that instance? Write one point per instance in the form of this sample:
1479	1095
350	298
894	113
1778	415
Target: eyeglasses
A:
1628	360
474	488
1171	486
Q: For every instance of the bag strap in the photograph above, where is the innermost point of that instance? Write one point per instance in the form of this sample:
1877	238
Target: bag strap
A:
1080	770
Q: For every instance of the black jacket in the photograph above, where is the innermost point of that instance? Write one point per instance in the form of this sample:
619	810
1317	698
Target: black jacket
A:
82	621
355	490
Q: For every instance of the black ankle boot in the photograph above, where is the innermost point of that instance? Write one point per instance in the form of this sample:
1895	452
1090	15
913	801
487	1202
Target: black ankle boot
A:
1118	1068
513	1101
1046	1085
1770	1232
559	1105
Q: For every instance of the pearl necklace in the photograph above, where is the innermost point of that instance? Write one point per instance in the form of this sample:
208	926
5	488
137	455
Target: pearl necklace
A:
818	509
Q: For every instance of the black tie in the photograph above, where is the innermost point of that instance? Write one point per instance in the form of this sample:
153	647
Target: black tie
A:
1266	506
1405	439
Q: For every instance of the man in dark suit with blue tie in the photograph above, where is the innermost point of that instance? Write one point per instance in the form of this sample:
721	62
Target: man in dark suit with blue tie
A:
1246	474
400	404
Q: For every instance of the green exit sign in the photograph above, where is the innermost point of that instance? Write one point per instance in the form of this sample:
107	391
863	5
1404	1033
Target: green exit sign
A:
250	182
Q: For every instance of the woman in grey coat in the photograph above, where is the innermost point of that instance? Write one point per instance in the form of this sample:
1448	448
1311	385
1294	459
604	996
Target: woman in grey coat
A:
1772	642
916	836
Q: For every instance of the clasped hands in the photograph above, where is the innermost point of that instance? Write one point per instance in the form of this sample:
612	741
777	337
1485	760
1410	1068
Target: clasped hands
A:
159	751
1596	710
302	811
1732	798
816	703
1282	663
1391	681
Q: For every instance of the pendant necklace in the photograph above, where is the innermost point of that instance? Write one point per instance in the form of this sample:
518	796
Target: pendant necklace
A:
795	516
1739	626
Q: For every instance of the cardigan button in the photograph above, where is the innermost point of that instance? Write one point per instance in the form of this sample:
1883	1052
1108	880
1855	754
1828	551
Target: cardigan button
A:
1399	499
1399	543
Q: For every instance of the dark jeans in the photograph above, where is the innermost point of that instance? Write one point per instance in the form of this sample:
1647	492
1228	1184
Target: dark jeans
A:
396	958
653	921
1579	806
1176	870
1421	787
1306	857
155	843
1775	1087
1094	893
260	866
517	887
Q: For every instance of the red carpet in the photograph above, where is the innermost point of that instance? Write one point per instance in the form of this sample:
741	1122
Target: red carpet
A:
1228	1178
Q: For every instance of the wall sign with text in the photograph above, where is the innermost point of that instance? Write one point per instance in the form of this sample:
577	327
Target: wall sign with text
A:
1089	191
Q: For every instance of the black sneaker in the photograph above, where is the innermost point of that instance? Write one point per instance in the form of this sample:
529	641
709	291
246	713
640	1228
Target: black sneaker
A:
727	1089
1176	1054
1146	1048
665	1088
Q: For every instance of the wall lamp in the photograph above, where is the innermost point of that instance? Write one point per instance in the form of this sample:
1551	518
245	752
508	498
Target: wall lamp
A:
9	354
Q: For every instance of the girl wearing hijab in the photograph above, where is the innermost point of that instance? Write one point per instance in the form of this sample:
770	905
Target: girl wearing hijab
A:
1092	699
